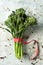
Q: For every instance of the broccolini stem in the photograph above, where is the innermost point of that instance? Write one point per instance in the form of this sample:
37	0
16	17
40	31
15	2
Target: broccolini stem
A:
18	49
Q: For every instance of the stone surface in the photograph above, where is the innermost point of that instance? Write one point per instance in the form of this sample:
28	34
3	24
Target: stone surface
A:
33	8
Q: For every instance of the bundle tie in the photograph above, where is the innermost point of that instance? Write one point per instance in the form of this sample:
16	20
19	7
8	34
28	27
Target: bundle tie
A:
25	42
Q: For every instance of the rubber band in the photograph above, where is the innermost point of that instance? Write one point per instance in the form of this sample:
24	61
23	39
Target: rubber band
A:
25	42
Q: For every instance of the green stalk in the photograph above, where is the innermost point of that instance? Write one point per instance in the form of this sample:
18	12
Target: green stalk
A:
18	50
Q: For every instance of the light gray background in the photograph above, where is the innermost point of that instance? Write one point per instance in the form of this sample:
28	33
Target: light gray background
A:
33	8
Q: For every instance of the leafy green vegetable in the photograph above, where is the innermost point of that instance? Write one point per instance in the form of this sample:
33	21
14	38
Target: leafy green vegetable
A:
17	23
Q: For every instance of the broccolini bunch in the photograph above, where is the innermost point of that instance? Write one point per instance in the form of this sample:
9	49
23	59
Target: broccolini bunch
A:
17	23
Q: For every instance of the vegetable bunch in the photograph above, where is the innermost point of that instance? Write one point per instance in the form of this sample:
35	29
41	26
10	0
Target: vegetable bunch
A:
17	23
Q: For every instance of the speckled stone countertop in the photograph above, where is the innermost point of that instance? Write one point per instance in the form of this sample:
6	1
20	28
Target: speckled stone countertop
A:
33	8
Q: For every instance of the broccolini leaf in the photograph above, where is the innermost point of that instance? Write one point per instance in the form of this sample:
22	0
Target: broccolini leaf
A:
18	21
